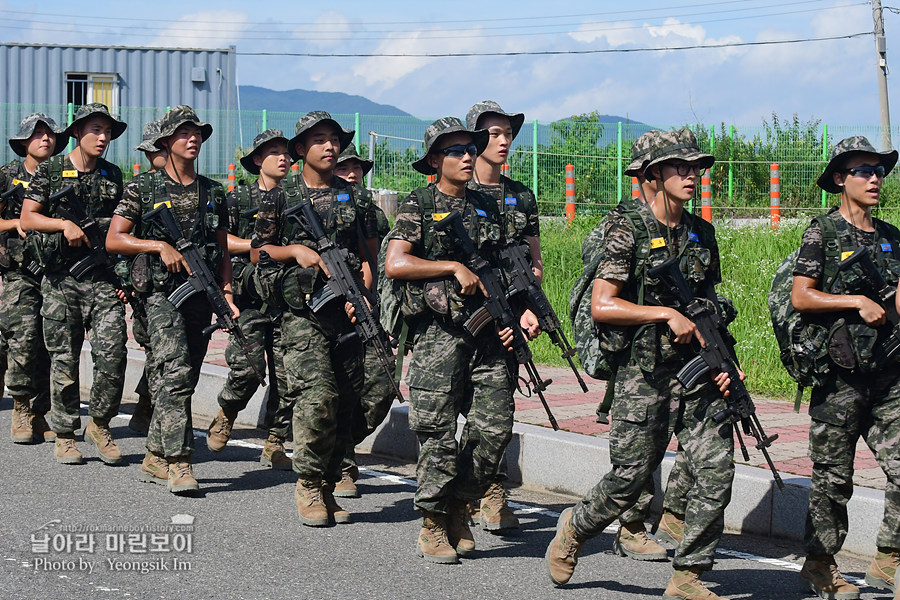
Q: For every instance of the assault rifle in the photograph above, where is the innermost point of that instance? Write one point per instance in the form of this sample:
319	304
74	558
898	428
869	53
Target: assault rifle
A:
524	282
496	306
718	355
14	195
882	293
343	284
202	280
70	207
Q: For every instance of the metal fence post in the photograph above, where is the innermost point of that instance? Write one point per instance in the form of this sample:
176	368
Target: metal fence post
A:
265	120
824	158
570	192
619	161
371	157
70	116
731	164
775	195
355	130
534	160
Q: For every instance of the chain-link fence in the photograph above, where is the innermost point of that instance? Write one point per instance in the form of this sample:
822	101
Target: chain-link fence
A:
599	153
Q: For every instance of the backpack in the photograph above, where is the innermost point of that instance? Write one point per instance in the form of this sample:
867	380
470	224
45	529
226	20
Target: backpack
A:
392	292
600	348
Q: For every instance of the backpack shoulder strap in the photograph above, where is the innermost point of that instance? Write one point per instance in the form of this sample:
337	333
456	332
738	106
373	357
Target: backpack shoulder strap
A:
832	245
425	196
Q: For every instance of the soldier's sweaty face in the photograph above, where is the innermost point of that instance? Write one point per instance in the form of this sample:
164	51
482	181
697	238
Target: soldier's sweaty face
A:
453	169
185	143
94	135
320	147
41	143
350	170
500	139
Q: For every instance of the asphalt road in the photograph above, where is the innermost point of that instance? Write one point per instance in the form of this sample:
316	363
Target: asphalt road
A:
245	539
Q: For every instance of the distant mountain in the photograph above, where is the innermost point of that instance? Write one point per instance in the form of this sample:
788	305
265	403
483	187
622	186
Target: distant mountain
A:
302	101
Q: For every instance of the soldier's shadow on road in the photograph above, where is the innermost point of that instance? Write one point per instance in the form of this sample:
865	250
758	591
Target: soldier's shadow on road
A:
400	511
253	476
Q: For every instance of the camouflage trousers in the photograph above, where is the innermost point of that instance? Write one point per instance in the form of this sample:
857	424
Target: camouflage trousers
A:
675	499
263	332
846	408
142	337
178	346
323	375
650	407
375	399
28	370
451	374
70	309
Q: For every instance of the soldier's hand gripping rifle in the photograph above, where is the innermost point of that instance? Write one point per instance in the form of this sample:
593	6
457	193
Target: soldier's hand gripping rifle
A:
875	287
523	281
69	206
201	280
343	284
15	196
496	306
718	355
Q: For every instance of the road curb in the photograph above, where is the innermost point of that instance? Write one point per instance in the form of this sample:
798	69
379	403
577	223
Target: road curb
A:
567	463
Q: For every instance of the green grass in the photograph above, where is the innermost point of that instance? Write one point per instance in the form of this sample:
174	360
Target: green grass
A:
750	255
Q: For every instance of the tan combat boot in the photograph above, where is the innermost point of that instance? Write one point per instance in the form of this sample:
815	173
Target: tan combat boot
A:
686	585
335	512
826	580
97	431
21	429
41	430
346	487
433	544
219	431
633	541
562	553
66	451
154	469
181	476
310	504
670	528
494	509
274	456
883	569
458	532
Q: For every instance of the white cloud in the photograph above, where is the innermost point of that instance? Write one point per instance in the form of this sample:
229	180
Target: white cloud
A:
205	29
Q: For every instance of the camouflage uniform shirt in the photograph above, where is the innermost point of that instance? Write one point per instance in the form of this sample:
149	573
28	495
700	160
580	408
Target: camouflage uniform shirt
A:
811	260
521	218
99	189
184	203
13	171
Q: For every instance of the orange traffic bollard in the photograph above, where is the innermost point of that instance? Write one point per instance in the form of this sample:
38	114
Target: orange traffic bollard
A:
504	169
431	178
137	169
635	188
706	195
231	177
570	193
775	194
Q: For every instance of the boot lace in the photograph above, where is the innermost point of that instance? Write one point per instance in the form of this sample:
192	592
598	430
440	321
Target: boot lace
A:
223	424
439	532
21	414
105	434
312	494
183	469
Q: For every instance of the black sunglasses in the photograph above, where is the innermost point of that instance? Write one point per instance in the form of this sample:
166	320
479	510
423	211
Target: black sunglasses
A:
459	149
866	171
683	169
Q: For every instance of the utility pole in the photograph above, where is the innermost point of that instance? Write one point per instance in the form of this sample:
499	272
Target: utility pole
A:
881	51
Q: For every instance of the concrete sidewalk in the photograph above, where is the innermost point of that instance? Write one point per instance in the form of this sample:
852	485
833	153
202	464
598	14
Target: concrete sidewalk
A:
572	460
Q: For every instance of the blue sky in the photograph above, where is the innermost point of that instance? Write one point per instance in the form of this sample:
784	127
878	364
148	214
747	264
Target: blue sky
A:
830	80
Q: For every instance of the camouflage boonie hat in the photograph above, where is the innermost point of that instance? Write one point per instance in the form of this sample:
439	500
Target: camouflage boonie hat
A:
640	152
676	145
310	120
177	116
26	130
440	128
489	106
94	109
258	142
149	137
846	148
350	154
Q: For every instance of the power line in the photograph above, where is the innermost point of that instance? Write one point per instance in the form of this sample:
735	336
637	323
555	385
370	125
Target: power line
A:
555	52
319	35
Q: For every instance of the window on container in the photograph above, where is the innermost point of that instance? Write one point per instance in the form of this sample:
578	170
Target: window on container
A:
83	88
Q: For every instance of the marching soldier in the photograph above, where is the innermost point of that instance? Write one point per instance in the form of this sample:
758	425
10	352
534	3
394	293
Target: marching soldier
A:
92	301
